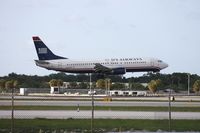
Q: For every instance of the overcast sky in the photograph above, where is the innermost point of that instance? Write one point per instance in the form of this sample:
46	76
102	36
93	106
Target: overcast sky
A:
82	29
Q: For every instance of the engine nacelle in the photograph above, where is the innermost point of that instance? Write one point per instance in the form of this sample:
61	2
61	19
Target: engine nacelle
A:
118	71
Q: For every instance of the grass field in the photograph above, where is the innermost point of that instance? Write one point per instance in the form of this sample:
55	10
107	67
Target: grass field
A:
132	108
100	125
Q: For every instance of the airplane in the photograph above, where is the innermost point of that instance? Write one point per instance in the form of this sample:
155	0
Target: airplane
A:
113	66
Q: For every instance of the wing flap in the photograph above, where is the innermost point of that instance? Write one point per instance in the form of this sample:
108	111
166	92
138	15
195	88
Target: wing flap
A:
101	69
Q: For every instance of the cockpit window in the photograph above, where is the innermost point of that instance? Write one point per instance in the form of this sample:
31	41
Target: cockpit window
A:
160	61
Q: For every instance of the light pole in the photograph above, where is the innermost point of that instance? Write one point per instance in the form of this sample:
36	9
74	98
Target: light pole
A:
188	84
107	80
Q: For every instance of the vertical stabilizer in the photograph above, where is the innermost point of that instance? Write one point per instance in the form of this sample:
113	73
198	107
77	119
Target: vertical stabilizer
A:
43	52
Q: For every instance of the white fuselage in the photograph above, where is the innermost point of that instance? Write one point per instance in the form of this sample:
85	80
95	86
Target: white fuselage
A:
130	64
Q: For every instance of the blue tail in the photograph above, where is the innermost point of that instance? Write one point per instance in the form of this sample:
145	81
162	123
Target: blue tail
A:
43	52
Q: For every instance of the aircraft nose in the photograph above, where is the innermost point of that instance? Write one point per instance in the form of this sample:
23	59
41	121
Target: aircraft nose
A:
165	65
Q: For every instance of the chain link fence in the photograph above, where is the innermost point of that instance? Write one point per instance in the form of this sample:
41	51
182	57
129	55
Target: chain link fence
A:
58	113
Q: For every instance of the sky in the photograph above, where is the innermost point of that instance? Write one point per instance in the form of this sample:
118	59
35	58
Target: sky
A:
96	29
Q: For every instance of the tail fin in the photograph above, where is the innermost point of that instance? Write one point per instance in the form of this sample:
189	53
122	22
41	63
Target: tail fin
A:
43	52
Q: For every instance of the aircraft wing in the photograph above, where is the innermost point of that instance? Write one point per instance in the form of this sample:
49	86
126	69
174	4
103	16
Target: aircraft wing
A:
102	69
105	70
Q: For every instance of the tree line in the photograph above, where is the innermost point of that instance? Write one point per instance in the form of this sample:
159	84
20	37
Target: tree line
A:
175	81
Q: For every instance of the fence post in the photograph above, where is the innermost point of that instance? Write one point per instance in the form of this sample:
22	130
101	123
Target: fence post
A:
169	110
12	121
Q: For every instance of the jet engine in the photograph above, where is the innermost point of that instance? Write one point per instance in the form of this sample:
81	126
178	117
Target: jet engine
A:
118	71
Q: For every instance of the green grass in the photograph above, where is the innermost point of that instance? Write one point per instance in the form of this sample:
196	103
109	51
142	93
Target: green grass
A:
132	108
100	125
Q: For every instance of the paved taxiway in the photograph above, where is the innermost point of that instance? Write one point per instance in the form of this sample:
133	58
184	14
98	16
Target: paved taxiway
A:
60	114
99	97
97	103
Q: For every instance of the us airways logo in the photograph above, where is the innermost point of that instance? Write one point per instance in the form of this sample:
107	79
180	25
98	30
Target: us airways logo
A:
42	50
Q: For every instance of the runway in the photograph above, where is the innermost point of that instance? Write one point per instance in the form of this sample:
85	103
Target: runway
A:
97	97
60	114
97	103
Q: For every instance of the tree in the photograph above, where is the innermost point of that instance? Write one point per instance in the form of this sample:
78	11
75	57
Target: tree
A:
101	84
9	84
15	84
2	84
136	86
93	85
117	85
196	86
73	85
176	81
158	83
59	83
56	83
83	85
153	85
53	83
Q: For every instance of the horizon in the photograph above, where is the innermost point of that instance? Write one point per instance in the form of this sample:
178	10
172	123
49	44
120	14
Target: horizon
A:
96	73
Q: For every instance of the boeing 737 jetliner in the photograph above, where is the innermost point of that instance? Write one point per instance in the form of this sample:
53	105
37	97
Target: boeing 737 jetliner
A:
114	66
